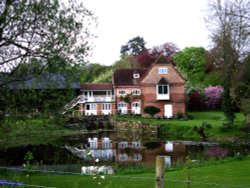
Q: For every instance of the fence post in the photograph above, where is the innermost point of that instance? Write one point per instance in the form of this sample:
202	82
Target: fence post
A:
160	169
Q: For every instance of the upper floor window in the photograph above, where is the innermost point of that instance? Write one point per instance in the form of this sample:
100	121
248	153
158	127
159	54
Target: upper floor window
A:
162	89
136	75
123	144
136	92
163	92
121	92
163	70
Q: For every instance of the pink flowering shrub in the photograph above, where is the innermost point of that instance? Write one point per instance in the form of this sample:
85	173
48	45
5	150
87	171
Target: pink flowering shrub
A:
213	96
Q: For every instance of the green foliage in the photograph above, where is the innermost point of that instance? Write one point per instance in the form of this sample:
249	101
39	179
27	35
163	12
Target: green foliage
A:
96	73
191	60
151	110
133	46
51	26
126	62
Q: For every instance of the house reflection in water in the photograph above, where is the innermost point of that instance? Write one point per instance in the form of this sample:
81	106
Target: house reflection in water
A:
126	152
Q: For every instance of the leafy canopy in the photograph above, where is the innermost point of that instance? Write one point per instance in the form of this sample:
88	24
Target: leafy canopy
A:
43	29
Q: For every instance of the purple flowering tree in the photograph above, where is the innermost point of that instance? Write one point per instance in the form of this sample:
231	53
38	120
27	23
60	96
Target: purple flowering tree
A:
213	96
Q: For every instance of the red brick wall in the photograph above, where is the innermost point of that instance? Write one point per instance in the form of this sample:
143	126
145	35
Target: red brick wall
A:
177	90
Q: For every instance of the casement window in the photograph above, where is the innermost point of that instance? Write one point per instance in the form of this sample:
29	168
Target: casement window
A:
93	143
136	92
122	105
136	104
162	89
121	92
163	70
162	92
136	144
106	143
123	144
91	107
123	157
136	75
137	157
106	106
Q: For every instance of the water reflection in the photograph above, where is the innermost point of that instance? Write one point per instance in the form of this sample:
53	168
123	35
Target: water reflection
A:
123	144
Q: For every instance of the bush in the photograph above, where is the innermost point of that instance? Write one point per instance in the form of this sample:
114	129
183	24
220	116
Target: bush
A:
213	96
151	110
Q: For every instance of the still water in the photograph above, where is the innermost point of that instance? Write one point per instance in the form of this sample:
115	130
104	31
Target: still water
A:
123	146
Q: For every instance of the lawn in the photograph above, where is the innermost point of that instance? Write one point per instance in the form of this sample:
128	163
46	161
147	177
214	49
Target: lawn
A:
182	129
226	173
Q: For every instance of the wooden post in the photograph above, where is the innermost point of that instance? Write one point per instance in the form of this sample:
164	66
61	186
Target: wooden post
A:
160	169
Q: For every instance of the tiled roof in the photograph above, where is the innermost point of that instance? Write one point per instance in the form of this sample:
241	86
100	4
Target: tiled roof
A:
124	77
163	81
162	60
97	86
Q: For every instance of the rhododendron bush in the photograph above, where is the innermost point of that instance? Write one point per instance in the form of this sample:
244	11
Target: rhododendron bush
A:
213	96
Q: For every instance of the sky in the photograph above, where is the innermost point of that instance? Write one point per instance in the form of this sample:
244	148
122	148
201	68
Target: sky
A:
157	21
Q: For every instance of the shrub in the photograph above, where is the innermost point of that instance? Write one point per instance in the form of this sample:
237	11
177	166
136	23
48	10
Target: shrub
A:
213	96
179	115
151	110
196	100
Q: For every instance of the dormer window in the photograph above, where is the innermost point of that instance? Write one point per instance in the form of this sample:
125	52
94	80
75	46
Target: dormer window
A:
163	70
136	75
162	90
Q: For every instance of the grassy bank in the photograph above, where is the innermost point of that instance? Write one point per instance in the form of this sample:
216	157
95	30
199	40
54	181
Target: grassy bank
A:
16	132
226	173
182	129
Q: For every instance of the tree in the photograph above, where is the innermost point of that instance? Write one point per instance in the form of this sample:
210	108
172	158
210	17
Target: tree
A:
38	36
191	62
151	110
42	32
133	46
147	57
229	23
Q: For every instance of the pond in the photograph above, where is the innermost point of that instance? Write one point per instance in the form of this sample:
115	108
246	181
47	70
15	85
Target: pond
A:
125	145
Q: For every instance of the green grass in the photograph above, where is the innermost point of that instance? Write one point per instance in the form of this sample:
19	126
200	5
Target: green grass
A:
230	172
15	132
182	129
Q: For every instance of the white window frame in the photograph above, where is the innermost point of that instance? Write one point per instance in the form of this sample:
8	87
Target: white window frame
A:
122	92
136	75
163	96
137	157
122	105
136	104
163	70
162	85
123	144
123	157
92	106
106	106
136	92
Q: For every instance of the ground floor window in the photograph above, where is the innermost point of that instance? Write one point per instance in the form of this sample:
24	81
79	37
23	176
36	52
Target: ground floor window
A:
106	106
90	106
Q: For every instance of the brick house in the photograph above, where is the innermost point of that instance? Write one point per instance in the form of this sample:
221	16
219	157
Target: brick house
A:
160	85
